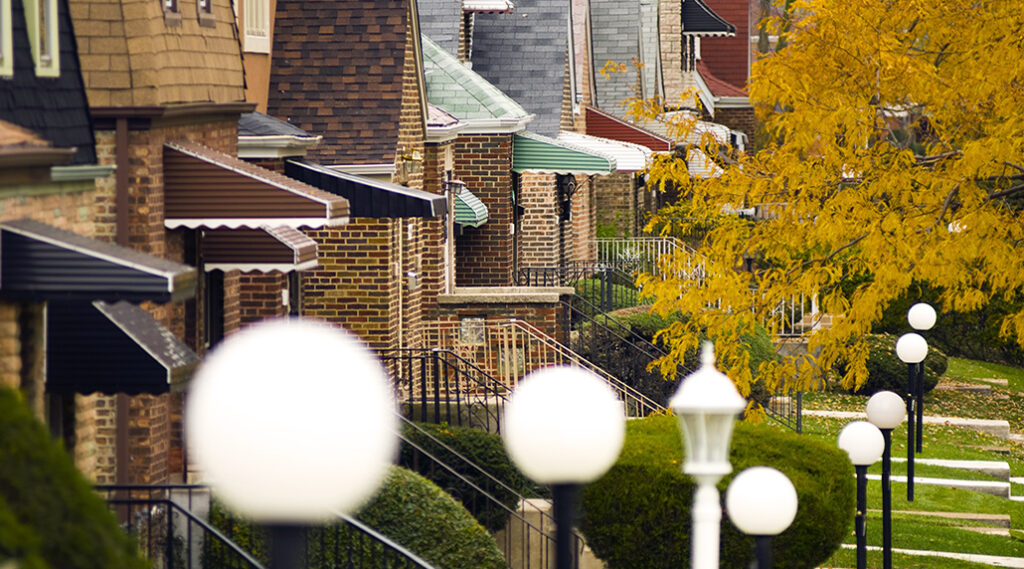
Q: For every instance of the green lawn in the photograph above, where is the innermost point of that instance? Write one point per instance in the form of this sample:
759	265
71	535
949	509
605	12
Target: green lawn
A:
970	370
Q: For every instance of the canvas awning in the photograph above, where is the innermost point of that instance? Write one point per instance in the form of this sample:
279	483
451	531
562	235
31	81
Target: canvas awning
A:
368	197
469	210
628	157
700	19
39	262
604	125
263	250
535	153
210	189
112	348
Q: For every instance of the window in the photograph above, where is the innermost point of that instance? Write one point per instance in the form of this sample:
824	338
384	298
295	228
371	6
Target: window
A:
204	9
43	35
6	43
172	17
256	16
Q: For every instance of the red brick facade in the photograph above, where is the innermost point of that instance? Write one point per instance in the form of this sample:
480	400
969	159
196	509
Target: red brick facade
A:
484	255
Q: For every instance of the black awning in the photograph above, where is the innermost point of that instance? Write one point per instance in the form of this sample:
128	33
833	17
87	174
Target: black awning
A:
700	19
112	348
40	262
368	197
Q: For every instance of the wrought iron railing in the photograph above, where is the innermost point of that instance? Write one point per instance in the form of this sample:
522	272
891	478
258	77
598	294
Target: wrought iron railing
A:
786	408
509	349
634	255
605	286
437	385
177	527
523	527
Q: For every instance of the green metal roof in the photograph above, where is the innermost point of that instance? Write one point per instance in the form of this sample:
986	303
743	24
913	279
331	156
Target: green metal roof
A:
535	153
460	91
469	210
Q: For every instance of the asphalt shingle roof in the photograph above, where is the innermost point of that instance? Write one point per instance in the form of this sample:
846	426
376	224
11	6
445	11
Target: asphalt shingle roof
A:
441	20
523	53
455	88
615	28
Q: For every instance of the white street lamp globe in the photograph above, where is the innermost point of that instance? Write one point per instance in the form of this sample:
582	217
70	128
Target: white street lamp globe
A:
292	420
761	501
886	410
564	425
921	316
911	348
863	442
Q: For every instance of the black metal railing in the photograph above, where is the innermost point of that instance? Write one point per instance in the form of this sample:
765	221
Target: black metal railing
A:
786	409
179	526
523	527
438	386
604	286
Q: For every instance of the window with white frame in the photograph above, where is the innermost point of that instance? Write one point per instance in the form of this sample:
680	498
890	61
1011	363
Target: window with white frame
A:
6	43
256	16
43	35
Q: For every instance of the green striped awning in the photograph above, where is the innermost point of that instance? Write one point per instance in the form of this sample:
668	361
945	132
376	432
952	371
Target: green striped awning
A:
535	153
469	210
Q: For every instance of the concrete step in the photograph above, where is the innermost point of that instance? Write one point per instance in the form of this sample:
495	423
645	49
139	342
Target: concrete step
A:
998	428
997	468
995	520
1001	489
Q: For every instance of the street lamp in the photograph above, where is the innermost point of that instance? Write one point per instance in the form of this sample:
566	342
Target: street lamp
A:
885	411
863	442
761	502
911	349
564	426
707	404
921	317
291	421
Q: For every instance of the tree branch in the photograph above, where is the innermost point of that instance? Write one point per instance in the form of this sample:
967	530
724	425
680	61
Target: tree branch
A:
830	255
946	203
1005	193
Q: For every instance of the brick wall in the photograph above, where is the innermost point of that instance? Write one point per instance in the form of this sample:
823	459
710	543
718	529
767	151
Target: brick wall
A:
260	296
671	31
484	254
411	124
540	236
584	223
616	202
741	119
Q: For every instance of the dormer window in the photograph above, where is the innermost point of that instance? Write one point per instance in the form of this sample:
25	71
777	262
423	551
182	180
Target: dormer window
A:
43	35
204	9
6	42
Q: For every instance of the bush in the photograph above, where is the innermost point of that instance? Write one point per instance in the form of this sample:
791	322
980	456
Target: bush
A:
638	515
484	449
887	372
409	509
49	514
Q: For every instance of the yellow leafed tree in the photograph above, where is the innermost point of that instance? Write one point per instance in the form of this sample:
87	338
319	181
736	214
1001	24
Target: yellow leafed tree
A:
893	154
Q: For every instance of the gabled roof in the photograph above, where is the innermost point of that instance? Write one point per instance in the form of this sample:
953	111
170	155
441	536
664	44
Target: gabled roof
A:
718	87
699	19
460	91
523	54
615	27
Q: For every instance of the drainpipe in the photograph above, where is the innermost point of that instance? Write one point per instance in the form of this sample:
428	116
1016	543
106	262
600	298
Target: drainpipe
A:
121	422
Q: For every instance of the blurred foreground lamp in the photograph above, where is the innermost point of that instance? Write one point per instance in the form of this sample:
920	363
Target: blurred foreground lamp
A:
912	349
292	421
864	444
885	411
564	426
707	404
761	502
921	317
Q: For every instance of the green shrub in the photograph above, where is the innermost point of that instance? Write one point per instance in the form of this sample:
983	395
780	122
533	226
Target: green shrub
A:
638	515
887	372
409	509
484	449
49	514
620	295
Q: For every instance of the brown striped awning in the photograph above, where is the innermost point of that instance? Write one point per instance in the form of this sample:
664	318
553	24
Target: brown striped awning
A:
263	250
209	189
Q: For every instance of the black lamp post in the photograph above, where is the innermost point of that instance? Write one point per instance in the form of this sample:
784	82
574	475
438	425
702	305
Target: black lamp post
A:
564	445
864	443
761	502
885	411
911	349
921	317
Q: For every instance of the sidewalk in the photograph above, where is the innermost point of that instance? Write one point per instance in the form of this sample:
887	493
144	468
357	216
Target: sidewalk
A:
993	560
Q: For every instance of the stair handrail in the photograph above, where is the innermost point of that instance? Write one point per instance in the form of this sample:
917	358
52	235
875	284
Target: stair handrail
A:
383	540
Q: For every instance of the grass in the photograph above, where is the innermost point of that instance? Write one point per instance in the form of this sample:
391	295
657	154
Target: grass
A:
848	558
969	370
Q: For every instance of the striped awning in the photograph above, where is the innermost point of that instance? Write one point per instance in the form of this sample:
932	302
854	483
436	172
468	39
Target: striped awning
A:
368	197
469	210
262	250
535	153
628	157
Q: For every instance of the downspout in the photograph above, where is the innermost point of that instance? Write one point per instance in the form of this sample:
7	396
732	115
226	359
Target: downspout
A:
121	422
399	276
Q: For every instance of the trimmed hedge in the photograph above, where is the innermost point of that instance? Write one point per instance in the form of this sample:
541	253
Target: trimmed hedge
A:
408	509
887	372
638	515
484	449
49	514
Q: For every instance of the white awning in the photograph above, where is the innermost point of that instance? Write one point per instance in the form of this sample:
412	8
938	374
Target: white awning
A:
629	157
